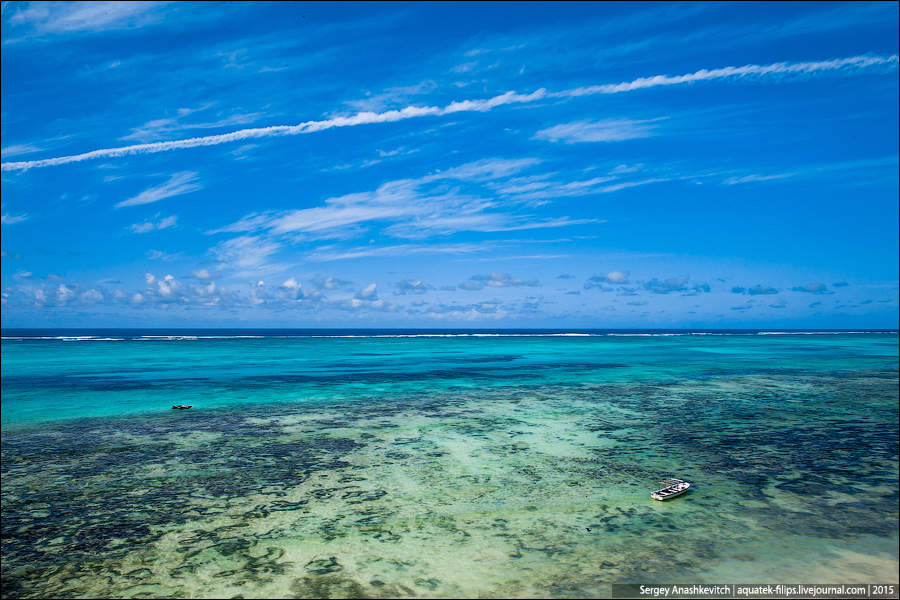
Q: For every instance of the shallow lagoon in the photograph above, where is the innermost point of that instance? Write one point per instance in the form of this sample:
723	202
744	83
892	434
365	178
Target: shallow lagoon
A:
446	467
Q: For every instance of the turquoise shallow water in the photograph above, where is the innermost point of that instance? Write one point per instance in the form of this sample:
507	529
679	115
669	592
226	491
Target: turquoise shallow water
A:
436	466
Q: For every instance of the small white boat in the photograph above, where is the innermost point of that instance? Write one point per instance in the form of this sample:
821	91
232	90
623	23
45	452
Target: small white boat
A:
669	488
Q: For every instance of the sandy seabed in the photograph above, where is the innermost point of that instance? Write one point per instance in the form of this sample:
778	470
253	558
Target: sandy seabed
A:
519	491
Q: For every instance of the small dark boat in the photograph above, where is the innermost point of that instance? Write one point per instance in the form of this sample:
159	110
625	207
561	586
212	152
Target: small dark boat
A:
669	488
181	406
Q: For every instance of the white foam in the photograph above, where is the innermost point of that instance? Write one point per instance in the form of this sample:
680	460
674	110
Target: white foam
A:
175	337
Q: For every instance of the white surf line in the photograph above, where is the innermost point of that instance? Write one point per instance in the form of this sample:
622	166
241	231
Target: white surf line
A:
463	106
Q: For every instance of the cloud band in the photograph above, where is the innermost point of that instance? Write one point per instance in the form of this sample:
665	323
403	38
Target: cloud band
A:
409	112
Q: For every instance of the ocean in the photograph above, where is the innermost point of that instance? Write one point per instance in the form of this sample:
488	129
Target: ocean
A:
491	463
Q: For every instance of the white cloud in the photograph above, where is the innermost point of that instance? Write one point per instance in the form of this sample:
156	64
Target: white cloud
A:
366	299
542	190
480	105
8	219
251	222
675	284
179	183
618	277
407	208
91	297
615	278
54	295
159	255
391	97
162	127
204	274
608	130
67	17
368	293
162	293
783	68
239	152
329	283
416	207
17	149
486	105
485	170
748	178
248	253
760	290
621	169
501	280
326	255
166	293
411	286
64	293
146	226
464	68
813	288
627	184
473	311
291	289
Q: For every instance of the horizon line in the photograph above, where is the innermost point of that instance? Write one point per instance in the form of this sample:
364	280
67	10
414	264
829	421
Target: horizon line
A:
555	329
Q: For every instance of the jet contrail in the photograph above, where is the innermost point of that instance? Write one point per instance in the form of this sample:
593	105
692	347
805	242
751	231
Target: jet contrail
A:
857	62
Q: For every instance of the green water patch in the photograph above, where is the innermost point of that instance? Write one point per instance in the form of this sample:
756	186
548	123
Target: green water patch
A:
47	380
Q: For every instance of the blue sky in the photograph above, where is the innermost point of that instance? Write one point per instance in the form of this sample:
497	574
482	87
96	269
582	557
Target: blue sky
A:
450	165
